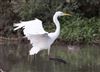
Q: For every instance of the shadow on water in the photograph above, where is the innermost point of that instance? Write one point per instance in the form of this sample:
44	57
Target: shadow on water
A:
14	58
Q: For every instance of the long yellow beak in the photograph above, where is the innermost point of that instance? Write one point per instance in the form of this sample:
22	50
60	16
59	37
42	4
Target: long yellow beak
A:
67	14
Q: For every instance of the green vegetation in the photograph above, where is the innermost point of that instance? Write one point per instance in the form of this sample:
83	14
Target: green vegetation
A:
73	29
83	26
80	29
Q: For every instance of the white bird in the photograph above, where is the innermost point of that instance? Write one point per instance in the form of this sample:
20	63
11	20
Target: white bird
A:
39	38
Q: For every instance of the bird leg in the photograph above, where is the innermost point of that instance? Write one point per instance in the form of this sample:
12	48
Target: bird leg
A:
34	57
48	51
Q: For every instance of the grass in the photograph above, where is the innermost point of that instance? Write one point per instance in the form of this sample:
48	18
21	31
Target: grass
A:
80	29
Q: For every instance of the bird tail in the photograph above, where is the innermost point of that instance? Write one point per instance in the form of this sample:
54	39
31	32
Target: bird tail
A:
18	26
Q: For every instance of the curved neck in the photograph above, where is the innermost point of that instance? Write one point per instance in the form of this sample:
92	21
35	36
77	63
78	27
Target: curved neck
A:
57	31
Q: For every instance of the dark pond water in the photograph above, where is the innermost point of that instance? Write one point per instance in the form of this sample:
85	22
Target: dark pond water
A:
14	58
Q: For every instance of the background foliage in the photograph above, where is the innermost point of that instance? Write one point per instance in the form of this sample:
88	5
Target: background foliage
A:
84	25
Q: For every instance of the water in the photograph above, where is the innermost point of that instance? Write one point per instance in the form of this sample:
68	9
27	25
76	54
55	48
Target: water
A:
14	58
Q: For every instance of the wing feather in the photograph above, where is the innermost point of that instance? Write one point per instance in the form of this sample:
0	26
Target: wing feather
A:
31	27
39	42
35	32
37	39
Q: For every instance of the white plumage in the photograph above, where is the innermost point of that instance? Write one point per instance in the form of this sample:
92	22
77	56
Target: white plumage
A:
39	38
31	27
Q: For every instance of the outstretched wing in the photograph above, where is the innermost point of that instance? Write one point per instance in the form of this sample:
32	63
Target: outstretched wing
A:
31	27
35	32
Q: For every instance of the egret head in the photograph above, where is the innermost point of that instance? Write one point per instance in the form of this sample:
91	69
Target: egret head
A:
59	13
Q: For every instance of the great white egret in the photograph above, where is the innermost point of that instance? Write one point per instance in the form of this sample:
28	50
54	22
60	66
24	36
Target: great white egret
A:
39	38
